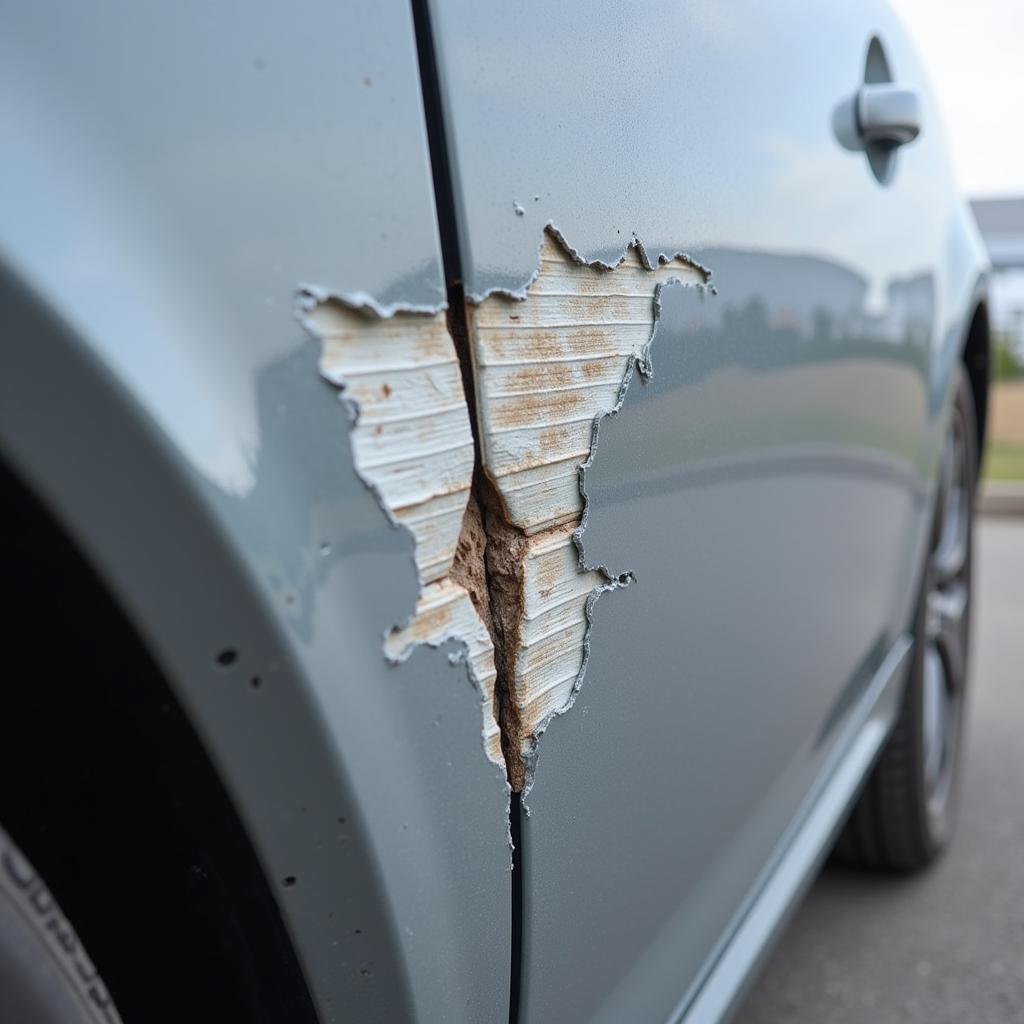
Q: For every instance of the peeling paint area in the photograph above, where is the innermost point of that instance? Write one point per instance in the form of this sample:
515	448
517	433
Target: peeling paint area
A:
496	506
412	444
548	365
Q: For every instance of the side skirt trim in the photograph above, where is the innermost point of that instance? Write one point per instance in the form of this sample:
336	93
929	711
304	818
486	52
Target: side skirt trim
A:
733	965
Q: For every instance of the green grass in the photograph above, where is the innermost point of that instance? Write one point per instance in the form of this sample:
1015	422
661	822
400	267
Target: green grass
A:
1004	460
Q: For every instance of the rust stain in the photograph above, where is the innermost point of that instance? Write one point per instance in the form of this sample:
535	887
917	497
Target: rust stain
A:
532	378
552	442
543	376
488	479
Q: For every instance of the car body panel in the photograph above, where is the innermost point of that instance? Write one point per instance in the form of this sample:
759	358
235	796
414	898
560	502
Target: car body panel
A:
715	993
171	177
768	486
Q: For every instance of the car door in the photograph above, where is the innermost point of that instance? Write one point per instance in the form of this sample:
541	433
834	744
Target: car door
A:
755	491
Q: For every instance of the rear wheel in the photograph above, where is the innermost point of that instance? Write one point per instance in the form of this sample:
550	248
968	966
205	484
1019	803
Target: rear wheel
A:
904	817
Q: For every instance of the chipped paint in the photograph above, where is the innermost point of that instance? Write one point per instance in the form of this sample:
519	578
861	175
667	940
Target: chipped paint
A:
549	362
412	445
496	513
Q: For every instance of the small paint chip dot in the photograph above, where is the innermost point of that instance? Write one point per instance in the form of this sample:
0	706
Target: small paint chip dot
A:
227	657
288	881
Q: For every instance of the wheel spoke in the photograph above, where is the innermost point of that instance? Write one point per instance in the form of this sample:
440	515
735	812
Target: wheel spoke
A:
946	481
951	553
934	717
945	623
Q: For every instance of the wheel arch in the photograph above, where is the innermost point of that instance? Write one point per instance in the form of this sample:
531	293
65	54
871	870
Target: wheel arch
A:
109	490
977	360
118	805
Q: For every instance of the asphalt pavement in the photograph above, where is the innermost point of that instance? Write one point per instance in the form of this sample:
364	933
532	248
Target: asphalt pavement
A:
948	945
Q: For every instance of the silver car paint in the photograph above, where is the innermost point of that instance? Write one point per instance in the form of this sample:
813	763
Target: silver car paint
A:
172	177
769	487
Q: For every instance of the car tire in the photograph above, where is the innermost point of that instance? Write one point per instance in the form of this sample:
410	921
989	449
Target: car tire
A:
46	977
904	816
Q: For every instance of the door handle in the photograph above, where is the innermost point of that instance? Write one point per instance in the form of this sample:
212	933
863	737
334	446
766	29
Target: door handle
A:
888	115
879	117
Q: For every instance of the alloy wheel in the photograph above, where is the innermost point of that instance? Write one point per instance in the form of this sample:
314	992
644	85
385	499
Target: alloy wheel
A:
947	606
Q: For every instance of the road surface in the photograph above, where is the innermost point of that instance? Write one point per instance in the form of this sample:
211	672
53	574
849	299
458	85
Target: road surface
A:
947	946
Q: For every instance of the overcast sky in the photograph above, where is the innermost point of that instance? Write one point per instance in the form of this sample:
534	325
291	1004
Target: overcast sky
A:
974	54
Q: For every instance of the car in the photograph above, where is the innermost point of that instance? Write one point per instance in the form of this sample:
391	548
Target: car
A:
487	500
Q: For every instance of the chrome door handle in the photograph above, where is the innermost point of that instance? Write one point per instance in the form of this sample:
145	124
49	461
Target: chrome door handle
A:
887	114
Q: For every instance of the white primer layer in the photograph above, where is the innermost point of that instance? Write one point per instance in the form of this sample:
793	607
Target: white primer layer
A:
548	364
550	360
412	445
